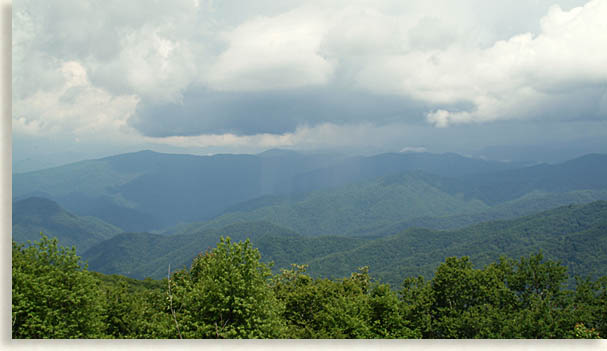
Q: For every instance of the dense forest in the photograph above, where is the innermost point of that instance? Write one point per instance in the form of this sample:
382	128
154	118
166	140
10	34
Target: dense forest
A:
572	234
228	292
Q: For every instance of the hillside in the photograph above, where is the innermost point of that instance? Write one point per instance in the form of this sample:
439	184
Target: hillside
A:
34	215
588	172
574	234
141	255
528	204
338	211
358	169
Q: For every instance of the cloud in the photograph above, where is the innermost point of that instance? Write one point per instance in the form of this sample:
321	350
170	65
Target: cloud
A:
413	149
289	74
76	109
203	111
271	53
151	49
513	78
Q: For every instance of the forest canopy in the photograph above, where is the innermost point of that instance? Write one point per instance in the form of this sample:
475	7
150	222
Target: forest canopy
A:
228	292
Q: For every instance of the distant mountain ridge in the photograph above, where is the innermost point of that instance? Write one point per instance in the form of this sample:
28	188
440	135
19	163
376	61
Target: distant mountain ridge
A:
149	191
159	190
35	215
337	211
141	255
385	205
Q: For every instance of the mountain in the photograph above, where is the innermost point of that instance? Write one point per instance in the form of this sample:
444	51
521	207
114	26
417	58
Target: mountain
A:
356	169
550	153
338	211
141	255
588	172
388	204
531	203
34	215
574	234
148	190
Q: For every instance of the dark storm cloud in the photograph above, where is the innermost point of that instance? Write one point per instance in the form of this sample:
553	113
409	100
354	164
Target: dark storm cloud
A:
208	112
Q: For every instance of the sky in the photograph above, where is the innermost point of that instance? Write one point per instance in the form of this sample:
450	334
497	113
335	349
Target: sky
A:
95	78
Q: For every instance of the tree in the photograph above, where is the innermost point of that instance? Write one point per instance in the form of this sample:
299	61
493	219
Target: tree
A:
53	296
542	308
134	313
226	294
467	302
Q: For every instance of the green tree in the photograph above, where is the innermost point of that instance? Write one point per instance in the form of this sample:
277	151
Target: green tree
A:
321	308
53	296
347	308
542	306
467	302
225	294
417	300
387	318
135	313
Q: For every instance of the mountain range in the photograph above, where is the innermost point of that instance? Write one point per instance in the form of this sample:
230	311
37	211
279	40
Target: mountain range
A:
149	191
573	234
401	213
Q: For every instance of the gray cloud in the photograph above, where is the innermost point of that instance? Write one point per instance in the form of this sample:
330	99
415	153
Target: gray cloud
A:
207	112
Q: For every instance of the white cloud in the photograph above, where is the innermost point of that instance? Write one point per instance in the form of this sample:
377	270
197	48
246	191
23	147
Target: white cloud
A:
156	67
269	53
151	49
413	149
325	135
510	79
76	109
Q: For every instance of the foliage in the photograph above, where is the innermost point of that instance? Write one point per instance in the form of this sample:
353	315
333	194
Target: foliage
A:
226	294
347	308
507	299
52	295
135	313
229	293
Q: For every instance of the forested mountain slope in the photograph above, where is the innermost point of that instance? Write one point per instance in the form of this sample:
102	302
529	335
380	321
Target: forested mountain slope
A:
142	255
575	234
338	211
34	215
528	204
588	172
